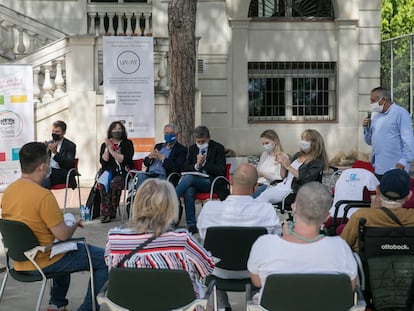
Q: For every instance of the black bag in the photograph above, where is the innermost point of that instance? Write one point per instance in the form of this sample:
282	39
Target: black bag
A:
94	201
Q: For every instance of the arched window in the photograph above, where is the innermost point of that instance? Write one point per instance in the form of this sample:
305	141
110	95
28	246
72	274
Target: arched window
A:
291	9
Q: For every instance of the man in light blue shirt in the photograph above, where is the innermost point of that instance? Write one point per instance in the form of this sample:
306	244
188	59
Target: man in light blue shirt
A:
390	133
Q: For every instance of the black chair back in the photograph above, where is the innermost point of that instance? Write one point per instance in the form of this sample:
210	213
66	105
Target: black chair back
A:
232	245
150	289
17	238
307	292
387	257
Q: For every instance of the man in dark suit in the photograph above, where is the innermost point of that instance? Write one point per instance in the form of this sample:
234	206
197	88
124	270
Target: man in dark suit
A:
205	157
166	158
62	157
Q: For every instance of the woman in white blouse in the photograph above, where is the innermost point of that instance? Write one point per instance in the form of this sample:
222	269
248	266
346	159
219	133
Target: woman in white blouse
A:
268	169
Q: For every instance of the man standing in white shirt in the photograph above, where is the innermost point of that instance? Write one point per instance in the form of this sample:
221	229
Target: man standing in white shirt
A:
241	210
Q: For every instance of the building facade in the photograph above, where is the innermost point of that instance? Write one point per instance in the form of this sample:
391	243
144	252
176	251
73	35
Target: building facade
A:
281	64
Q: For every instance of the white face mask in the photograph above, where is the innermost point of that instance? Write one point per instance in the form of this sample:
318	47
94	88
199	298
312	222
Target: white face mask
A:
305	145
268	147
203	146
376	107
49	172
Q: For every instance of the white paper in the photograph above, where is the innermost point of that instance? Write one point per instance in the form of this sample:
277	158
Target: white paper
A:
194	173
70	220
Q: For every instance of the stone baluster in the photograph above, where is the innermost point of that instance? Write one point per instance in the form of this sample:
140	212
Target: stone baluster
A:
1	37
47	84
129	29
111	31
162	72
148	25
32	42
142	21
36	88
20	47
133	25
98	24
9	46
59	81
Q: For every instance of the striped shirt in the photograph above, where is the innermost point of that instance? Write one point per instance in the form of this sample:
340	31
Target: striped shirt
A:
172	250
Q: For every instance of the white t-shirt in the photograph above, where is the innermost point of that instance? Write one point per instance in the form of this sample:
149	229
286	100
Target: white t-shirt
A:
271	254
239	211
350	186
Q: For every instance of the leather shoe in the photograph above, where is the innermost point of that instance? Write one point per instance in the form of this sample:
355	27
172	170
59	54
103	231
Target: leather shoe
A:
106	219
192	229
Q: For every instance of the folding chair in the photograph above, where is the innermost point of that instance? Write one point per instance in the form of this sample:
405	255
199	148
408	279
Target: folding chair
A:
204	196
21	245
337	223
354	184
129	187
149	289
232	246
66	185
386	264
307	292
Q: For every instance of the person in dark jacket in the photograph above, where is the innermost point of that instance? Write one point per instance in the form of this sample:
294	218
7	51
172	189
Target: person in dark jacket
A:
205	161
62	153
305	166
166	158
115	157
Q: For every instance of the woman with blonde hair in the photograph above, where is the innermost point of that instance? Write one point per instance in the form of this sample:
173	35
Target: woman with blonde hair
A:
269	169
154	213
305	166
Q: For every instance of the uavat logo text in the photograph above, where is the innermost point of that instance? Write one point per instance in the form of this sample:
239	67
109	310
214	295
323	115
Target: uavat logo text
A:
128	62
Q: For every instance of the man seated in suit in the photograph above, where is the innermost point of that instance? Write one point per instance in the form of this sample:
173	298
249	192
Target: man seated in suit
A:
238	209
205	157
166	158
62	153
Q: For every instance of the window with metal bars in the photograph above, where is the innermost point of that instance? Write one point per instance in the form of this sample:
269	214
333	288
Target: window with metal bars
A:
291	9
292	91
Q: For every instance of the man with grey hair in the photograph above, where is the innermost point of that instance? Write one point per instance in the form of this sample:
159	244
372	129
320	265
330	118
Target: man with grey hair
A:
390	133
166	158
205	161
302	248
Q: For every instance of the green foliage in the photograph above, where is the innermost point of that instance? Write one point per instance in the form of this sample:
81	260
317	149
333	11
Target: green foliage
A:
397	18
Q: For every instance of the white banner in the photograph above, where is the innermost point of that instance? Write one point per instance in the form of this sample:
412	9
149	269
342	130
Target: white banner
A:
16	118
128	72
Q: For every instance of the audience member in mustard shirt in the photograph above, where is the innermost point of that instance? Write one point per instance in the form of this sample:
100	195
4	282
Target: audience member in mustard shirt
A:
27	201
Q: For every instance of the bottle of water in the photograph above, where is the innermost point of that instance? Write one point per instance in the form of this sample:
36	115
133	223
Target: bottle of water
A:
82	212
87	213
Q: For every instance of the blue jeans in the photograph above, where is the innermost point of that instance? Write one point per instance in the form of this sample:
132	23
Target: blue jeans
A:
188	186
75	261
259	190
143	177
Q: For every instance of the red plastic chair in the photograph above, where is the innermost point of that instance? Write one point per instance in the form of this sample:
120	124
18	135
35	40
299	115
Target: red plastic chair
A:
204	196
132	174
66	185
410	202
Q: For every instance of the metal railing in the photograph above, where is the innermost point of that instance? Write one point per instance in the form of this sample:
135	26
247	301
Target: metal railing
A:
397	69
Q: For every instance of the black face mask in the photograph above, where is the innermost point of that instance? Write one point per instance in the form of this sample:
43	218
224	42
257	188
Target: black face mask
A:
117	134
56	137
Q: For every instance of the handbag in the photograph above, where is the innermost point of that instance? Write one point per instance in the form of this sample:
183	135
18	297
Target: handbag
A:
134	251
94	201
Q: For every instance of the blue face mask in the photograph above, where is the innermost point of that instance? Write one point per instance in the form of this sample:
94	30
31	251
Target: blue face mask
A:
169	138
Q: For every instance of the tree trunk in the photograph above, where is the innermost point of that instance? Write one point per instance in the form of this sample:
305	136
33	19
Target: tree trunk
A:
182	58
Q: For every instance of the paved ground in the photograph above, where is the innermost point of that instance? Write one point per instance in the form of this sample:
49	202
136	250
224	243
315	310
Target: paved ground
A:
19	296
